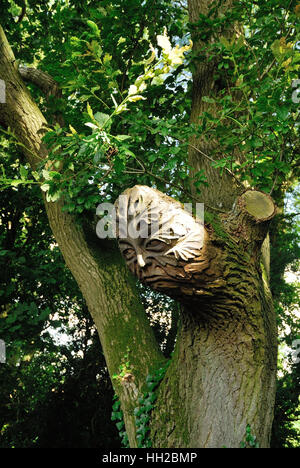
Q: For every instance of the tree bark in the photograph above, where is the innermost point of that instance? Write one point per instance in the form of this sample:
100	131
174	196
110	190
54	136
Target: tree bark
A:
42	79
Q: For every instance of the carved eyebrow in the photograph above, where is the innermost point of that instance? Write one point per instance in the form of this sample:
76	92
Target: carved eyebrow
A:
125	244
158	244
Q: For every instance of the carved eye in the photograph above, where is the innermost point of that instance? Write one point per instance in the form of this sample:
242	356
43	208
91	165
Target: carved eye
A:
128	253
127	249
155	245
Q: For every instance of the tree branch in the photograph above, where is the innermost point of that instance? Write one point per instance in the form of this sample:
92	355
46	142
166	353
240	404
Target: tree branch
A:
23	12
47	85
42	79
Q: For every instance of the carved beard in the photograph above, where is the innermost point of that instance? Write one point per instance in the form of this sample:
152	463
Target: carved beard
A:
161	237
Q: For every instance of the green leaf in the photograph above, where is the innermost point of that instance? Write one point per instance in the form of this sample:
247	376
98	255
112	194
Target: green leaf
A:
119	165
157	140
148	407
136	98
102	119
23	172
121	40
142	430
44	314
277	50
53	197
164	43
96	49
283	112
158	80
208	99
239	43
151	385
116	415
116	405
120	425
123	137
93	27
256	142
171	163
128	152
91	125
225	42
89	111
46	174
98	156
153	157
137	411
16	182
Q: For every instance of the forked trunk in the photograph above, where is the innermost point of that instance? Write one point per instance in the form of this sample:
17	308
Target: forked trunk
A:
222	375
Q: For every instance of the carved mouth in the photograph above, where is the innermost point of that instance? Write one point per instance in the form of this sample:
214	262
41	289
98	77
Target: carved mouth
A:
158	277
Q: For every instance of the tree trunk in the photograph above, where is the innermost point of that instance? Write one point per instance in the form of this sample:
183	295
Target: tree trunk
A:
205	83
223	374
221	380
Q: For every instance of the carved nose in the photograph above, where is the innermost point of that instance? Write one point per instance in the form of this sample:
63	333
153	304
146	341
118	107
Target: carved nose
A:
140	260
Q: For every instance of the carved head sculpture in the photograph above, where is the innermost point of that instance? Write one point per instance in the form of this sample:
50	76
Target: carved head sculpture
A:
161	242
170	251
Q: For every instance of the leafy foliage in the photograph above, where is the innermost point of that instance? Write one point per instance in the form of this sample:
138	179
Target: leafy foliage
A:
251	113
117	415
58	398
250	439
285	247
286	430
146	402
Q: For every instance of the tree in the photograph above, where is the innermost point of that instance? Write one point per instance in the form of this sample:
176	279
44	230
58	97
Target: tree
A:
221	378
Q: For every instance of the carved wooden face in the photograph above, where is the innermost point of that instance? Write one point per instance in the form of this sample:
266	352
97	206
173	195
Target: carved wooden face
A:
156	236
